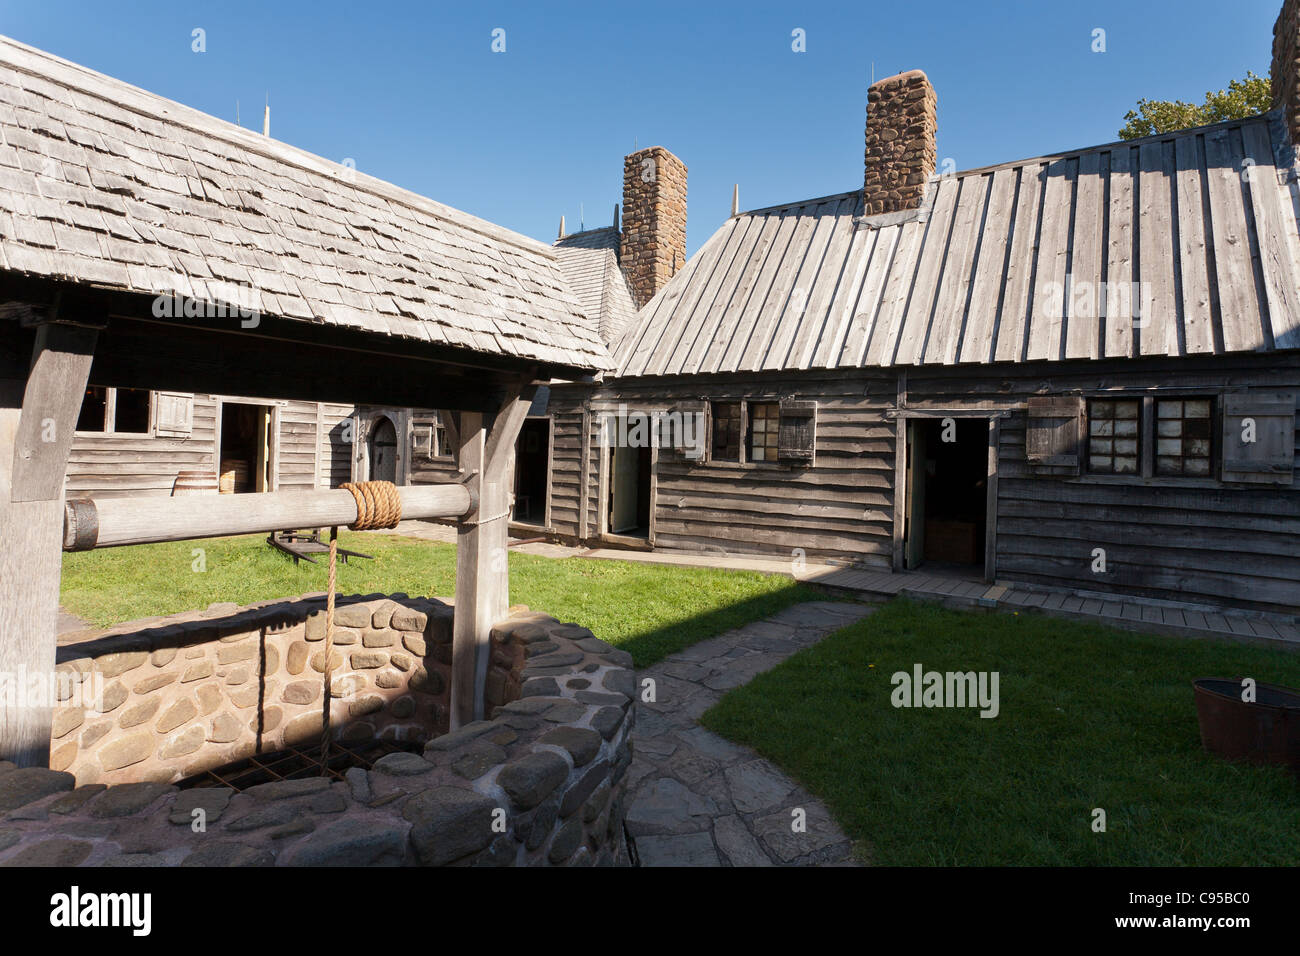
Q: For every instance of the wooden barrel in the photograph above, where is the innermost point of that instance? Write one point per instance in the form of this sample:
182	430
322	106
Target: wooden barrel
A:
234	475
195	483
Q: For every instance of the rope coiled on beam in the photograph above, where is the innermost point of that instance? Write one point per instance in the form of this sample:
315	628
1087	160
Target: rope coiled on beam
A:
378	504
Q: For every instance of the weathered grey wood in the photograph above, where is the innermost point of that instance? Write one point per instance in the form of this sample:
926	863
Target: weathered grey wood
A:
833	281
842	318
921	296
1047	324
991	504
977	341
950	303
1157	334
1275	226
486	456
1018	296
781	286
1082	305
1118	321
1198	320
1239	307
144	520
37	418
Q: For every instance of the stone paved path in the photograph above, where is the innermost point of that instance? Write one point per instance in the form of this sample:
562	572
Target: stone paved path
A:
695	799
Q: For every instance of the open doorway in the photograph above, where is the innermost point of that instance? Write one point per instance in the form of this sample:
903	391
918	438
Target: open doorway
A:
532	471
947	494
629	491
245	452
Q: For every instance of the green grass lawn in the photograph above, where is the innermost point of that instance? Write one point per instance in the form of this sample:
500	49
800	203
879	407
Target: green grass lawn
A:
1090	717
650	610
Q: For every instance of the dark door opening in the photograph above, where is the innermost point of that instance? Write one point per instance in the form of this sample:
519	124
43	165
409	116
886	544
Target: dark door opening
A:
383	450
629	491
532	471
245	452
947	486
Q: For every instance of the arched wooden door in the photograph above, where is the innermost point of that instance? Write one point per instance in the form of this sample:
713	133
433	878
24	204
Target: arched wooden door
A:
383	450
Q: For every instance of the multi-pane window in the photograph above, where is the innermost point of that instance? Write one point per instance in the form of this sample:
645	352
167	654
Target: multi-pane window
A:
1183	442
1113	436
726	431
764	431
114	411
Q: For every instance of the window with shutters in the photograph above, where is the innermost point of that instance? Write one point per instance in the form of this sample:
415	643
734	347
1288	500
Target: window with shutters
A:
115	411
725	444
422	441
798	436
1182	433
1053	432
173	414
1114	436
763	439
1259	437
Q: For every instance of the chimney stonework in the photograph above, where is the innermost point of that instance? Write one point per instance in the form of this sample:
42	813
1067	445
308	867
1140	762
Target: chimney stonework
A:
900	152
1286	66
653	244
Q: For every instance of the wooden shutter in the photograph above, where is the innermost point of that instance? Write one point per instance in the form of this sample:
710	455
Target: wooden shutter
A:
797	434
173	414
1054	431
692	417
1270	458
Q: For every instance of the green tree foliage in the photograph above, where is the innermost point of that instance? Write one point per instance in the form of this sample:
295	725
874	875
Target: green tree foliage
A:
1248	97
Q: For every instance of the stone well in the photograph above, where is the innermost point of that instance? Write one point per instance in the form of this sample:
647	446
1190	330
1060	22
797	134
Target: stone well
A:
540	783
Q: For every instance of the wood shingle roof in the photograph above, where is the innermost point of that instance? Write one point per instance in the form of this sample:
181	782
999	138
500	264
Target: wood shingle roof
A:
1033	260
589	260
105	184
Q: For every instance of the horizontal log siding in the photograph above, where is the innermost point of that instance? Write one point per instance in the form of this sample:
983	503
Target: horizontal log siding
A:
1163	538
334	460
565	410
298	447
841	507
426	470
108	466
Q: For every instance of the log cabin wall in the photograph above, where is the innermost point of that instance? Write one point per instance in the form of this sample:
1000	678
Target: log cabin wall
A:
840	507
108	465
1198	539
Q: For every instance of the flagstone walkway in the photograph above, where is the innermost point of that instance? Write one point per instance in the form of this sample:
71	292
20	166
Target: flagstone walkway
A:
695	799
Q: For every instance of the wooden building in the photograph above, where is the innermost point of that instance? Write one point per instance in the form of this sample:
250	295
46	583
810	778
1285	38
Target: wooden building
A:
1080	370
113	200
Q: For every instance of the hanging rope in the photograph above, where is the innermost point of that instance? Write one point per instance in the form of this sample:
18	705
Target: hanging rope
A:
378	506
329	648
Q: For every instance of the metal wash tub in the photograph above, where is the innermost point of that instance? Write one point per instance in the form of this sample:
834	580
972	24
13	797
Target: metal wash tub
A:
1263	731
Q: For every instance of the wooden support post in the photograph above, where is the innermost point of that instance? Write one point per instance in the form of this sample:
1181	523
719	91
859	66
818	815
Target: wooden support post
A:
482	570
35	439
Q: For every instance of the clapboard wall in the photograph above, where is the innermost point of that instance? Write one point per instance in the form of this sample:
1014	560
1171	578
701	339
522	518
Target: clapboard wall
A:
109	465
841	506
1178	539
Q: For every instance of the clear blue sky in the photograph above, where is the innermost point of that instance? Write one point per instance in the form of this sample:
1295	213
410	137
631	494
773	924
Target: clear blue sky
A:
414	94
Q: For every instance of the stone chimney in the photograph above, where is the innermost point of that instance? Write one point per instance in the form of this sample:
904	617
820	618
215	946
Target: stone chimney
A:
1286	66
900	142
653	244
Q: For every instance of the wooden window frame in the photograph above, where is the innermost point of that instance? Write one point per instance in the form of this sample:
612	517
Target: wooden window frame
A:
1147	427
110	415
1215	457
773	435
743	459
1141	437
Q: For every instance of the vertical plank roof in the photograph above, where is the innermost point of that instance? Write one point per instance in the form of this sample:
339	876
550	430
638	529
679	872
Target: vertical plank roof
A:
1179	244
